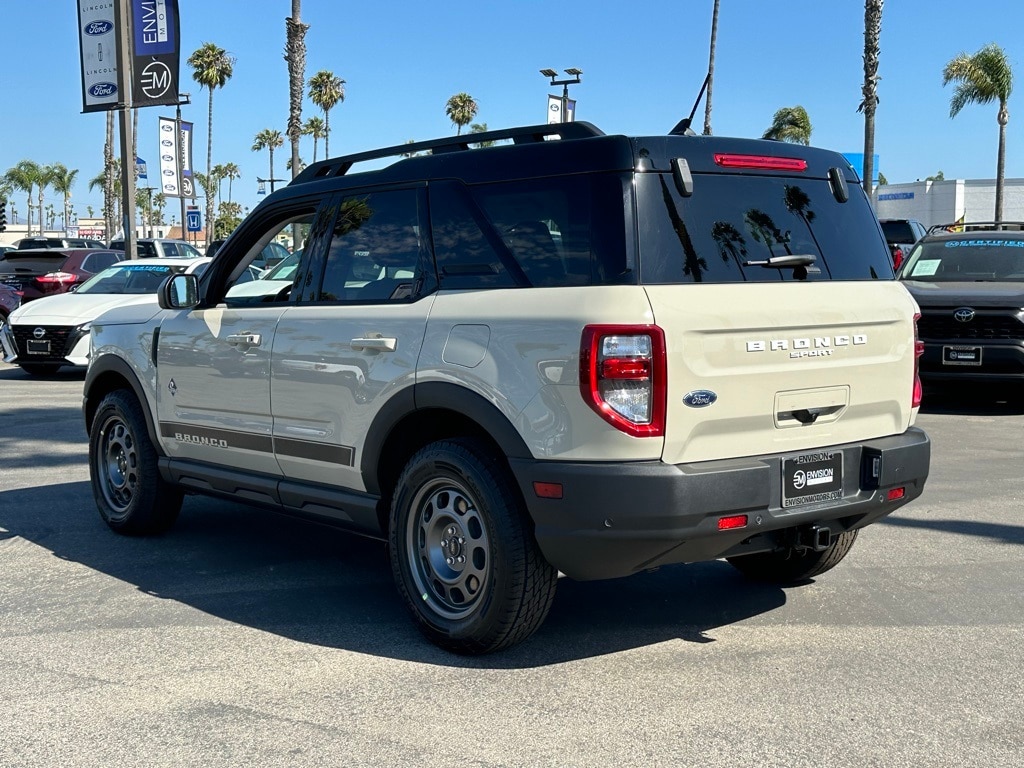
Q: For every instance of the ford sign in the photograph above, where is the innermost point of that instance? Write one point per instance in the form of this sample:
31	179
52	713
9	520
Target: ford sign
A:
103	90
699	398
101	27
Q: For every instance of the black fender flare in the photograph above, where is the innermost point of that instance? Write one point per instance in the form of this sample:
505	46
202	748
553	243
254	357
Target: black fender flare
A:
442	395
100	368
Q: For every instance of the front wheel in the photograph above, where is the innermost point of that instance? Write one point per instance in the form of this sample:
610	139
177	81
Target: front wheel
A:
463	553
130	495
791	565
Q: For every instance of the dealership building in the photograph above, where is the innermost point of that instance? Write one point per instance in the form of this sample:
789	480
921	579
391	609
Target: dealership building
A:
943	202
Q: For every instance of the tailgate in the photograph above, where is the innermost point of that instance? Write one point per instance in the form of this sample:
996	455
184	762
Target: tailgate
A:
793	366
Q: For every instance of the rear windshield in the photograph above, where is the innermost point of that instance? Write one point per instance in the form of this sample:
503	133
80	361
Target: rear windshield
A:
732	222
13	262
969	259
898	232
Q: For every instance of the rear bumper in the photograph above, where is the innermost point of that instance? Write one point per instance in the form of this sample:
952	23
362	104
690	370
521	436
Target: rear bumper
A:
619	518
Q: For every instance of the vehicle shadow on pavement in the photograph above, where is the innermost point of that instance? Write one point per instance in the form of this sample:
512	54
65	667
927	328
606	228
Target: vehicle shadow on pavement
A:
1008	534
49	426
976	401
66	373
317	585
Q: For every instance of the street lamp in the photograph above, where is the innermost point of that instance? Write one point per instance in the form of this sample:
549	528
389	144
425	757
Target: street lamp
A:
575	74
262	190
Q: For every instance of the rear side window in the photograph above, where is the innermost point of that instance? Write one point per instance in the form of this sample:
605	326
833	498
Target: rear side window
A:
731	222
546	232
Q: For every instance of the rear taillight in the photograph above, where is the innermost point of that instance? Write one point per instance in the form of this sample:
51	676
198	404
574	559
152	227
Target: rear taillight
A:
918	351
623	376
58	277
897	258
760	161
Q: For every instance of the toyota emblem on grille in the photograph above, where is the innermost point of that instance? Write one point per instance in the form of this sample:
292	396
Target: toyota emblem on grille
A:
39	333
963	315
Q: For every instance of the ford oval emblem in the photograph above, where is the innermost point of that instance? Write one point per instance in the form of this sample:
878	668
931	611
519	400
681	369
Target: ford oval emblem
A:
102	90
100	27
699	398
963	315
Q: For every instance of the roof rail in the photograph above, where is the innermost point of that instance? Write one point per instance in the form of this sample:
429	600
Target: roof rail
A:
977	226
339	166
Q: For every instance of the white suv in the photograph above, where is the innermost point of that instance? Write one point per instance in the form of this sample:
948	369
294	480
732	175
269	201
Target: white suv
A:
572	353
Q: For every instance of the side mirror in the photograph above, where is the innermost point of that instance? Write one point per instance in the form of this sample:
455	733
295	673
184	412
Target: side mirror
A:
179	292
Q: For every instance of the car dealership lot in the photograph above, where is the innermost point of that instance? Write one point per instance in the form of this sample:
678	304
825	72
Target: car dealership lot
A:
245	638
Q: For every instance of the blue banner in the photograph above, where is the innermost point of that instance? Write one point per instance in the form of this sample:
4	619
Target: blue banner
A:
156	52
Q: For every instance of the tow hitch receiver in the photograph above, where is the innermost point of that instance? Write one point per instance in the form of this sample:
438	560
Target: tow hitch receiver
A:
816	537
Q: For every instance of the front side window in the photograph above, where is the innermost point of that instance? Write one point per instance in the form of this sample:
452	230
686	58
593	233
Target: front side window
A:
730	228
376	251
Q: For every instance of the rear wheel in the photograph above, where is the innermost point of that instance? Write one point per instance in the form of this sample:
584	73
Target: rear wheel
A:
463	554
792	565
131	496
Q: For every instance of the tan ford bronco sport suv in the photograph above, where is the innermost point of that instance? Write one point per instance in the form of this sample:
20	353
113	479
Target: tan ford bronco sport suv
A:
529	352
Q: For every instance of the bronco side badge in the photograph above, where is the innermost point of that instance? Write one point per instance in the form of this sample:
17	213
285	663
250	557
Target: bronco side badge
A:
699	398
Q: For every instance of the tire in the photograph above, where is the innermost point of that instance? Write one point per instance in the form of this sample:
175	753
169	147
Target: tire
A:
39	369
130	495
463	553
792	566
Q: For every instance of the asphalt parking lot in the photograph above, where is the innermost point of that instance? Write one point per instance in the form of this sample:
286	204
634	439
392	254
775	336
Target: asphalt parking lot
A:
247	638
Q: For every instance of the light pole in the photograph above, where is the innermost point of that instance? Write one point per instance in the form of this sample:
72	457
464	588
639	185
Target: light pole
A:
183	98
261	190
149	208
575	74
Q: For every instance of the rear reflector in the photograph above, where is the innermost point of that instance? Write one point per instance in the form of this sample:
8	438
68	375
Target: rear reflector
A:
548	490
731	522
761	161
896	493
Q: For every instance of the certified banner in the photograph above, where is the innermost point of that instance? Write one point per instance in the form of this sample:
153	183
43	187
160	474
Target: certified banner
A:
156	52
97	40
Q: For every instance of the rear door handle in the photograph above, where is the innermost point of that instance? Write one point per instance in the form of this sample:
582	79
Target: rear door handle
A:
376	342
244	339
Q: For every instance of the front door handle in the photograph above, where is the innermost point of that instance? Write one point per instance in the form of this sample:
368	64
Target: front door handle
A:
376	342
244	339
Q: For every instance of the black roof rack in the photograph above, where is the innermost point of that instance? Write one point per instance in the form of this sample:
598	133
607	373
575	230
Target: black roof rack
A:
977	226
339	166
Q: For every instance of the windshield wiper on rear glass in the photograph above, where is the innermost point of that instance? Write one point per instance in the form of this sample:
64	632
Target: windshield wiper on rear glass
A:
778	262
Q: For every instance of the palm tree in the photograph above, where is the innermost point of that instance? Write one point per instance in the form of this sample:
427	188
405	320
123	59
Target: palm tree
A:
295	55
461	109
63	181
110	175
711	70
270	140
326	90
316	128
212	67
22	177
981	79
872	31
790	124
43	180
217	175
231	173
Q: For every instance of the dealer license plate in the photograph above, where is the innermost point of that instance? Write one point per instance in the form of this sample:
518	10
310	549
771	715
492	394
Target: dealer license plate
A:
35	347
961	355
812	478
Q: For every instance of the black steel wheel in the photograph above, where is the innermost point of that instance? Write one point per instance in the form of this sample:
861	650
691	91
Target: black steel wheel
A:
463	553
130	495
791	566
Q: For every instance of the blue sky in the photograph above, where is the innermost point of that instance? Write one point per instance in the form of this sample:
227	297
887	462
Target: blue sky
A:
642	63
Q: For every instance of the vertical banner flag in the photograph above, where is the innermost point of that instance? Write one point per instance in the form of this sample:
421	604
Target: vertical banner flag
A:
188	182
170	179
155	52
570	110
176	178
97	40
554	109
